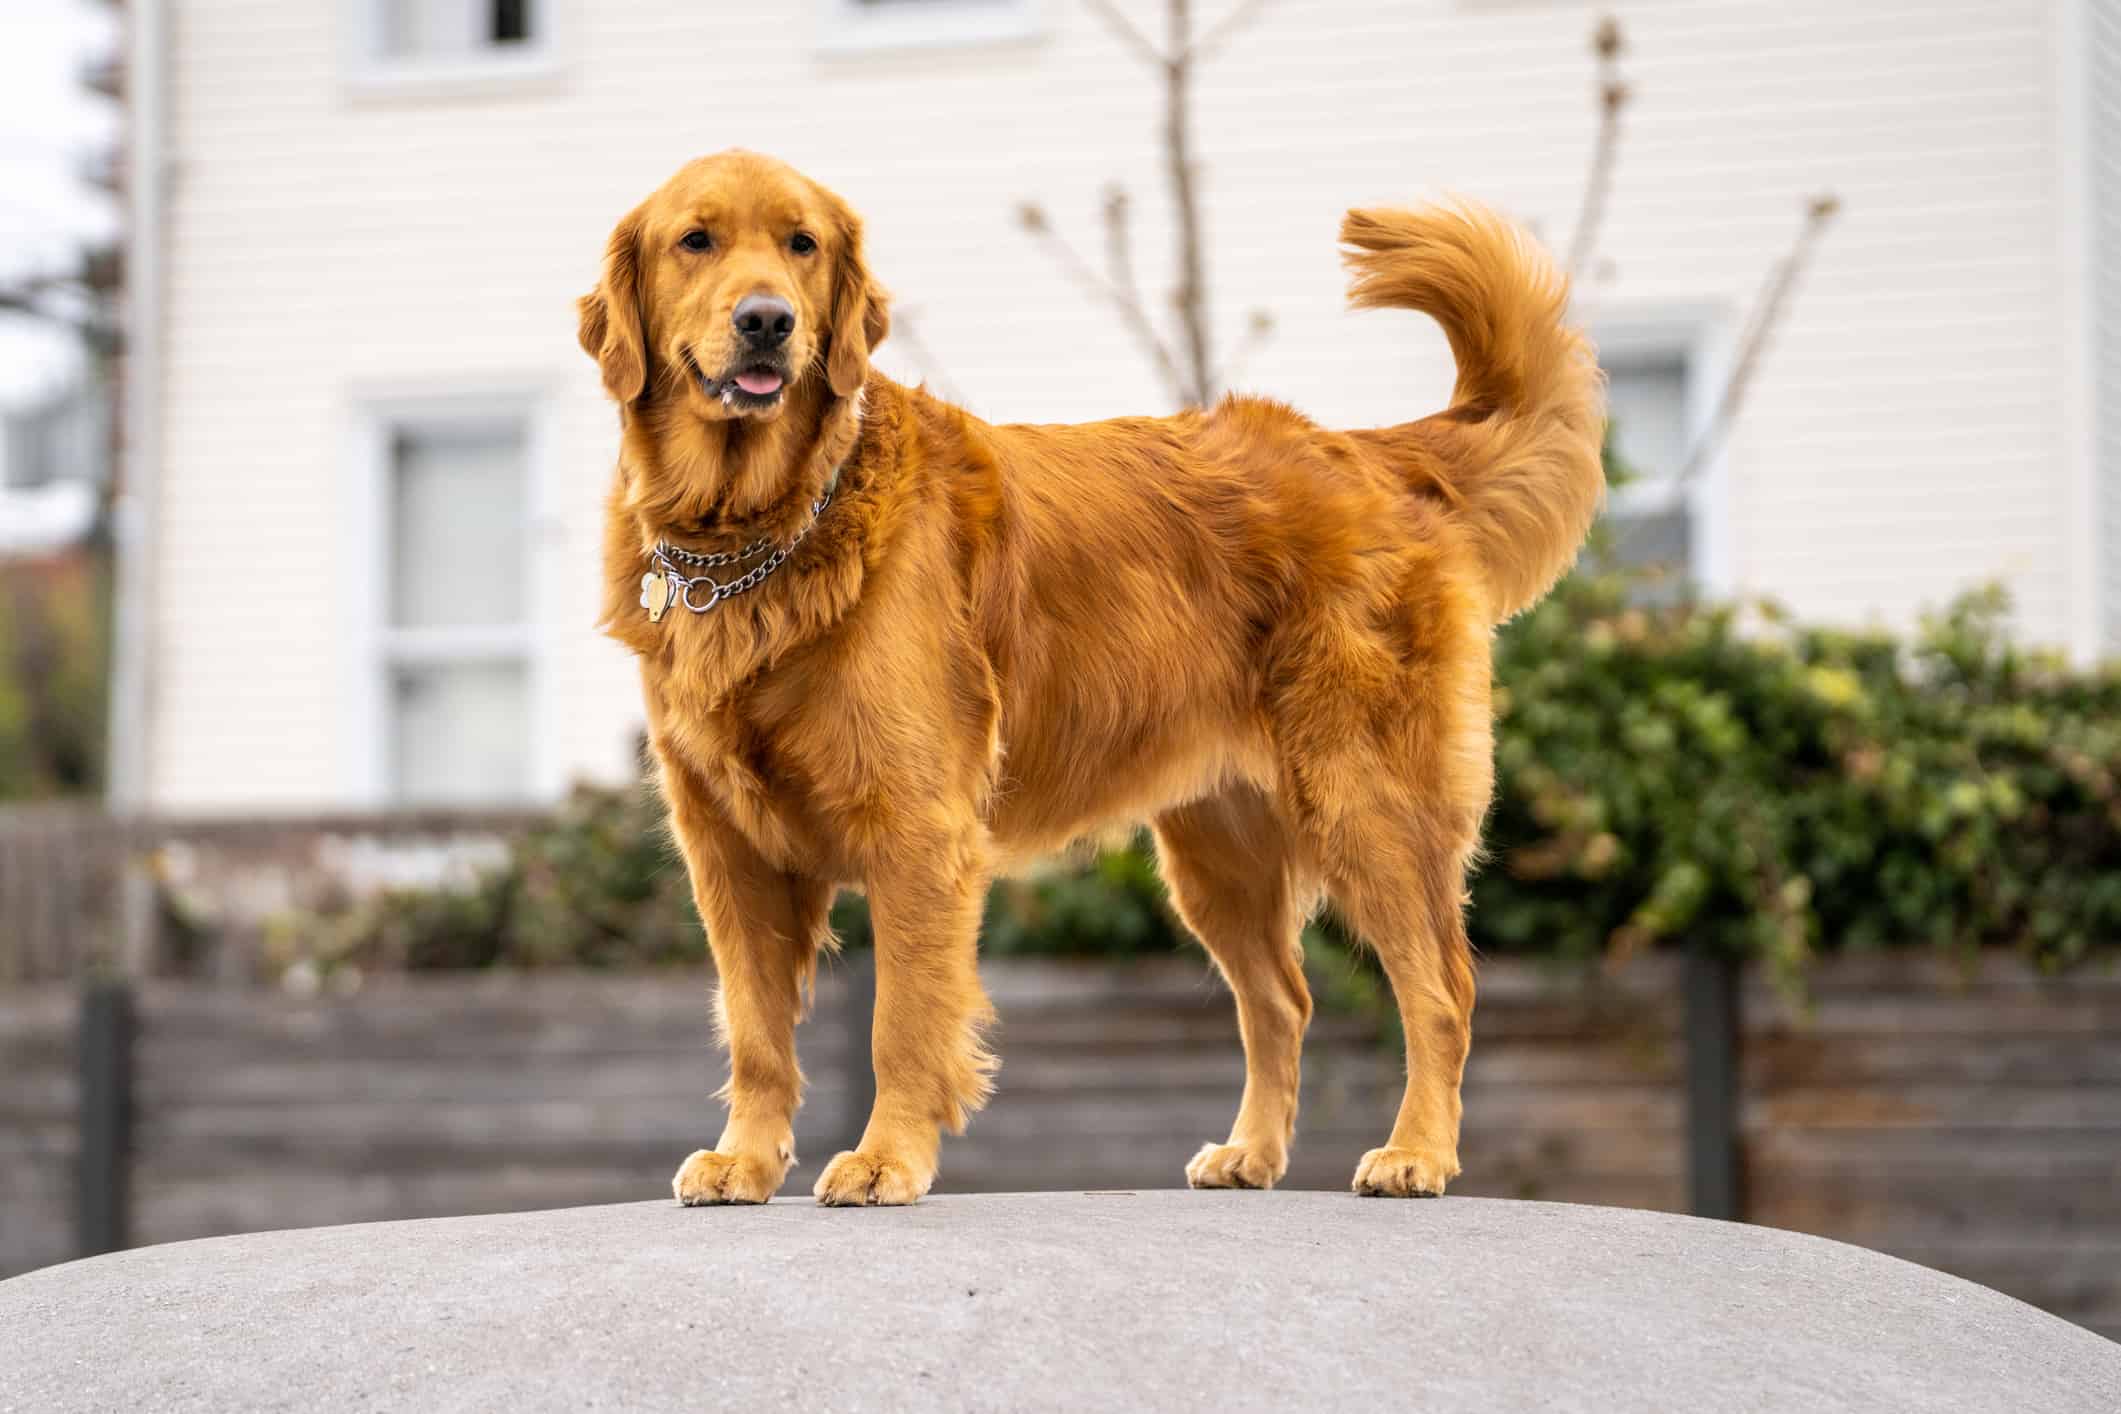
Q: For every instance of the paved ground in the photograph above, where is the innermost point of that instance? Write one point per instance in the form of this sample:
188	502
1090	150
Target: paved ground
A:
1153	1300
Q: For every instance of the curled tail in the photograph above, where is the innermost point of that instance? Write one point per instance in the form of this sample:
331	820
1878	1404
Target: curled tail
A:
1520	448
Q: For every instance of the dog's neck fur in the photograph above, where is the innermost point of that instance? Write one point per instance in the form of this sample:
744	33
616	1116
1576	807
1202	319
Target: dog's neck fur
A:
715	487
712	485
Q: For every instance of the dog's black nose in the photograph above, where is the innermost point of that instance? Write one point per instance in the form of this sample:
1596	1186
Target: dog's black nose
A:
765	321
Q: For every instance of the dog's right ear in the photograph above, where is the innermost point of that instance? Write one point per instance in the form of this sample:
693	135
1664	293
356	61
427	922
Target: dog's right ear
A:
611	331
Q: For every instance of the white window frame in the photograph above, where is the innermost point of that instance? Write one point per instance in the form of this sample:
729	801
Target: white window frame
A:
1699	336
372	73
375	648
854	27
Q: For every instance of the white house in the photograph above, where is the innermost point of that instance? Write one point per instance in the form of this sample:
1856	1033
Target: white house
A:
369	454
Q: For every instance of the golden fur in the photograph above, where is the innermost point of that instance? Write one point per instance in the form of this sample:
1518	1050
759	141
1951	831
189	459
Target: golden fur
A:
1268	639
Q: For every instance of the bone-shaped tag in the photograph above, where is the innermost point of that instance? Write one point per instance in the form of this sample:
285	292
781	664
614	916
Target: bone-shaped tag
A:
655	595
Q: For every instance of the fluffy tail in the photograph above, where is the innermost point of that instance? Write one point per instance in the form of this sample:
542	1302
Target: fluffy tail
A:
1520	447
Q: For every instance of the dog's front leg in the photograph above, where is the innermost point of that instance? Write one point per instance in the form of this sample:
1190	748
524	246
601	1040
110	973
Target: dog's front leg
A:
931	1069
764	927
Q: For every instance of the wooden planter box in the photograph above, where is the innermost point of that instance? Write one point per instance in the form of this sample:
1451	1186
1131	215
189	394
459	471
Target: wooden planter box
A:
1966	1119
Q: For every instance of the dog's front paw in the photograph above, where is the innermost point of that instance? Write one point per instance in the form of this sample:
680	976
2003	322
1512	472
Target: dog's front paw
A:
1404	1173
854	1180
708	1177
1235	1166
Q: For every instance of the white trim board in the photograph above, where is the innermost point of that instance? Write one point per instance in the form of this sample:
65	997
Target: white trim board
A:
2083	512
856	27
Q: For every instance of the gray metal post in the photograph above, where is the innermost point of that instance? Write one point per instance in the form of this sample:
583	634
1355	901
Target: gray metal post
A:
102	1210
1712	1086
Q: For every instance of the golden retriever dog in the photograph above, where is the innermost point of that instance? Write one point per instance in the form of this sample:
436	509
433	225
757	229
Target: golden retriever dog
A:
887	645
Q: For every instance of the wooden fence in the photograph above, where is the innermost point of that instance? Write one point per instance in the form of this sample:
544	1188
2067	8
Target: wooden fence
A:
40	1140
1969	1121
61	869
1966	1120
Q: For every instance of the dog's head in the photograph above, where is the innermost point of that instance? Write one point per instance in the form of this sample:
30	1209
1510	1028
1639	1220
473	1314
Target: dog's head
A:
731	285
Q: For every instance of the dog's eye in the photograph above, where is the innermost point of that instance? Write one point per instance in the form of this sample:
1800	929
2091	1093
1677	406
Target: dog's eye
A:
697	240
802	243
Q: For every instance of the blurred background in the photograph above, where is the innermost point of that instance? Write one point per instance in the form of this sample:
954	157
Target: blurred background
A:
328	888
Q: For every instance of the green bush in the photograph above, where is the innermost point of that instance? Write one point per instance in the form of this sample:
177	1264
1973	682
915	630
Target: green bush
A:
600	885
1667	777
53	626
596	885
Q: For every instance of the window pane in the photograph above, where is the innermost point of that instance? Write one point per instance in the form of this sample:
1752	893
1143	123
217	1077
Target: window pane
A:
1660	539
1646	401
26	459
510	21
457	521
460	732
449	28
60	439
1647	521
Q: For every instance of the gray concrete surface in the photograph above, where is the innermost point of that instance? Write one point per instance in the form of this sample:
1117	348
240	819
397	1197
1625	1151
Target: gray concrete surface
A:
1152	1300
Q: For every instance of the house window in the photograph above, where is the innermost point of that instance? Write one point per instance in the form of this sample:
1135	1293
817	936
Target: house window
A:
450	43
455	641
1650	516
53	456
409	29
860	26
1664	369
59	439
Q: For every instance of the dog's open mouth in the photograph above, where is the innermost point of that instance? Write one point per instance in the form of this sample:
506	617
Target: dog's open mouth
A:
751	385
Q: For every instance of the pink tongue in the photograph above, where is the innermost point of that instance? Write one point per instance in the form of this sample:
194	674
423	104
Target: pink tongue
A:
759	382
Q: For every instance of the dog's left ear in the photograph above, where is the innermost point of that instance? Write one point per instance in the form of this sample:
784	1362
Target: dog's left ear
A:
861	311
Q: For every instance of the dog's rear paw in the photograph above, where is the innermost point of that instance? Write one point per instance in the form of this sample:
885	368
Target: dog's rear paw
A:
1404	1173
708	1177
855	1180
1235	1166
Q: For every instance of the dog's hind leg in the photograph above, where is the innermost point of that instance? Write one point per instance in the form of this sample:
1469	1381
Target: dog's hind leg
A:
1402	895
1235	878
1386	742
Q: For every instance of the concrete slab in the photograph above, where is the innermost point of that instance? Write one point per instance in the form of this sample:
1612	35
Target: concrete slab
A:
1151	1300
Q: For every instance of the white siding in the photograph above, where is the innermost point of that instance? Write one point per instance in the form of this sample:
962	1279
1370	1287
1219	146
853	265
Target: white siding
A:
1903	441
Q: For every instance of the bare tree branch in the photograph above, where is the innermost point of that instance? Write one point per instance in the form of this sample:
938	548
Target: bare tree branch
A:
1191	295
1033	219
1132	37
1258	328
1188	369
1767	312
92	323
1613	94
905	332
1240	15
1119	243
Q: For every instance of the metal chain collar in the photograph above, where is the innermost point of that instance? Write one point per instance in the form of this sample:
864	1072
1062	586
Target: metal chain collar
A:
667	584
